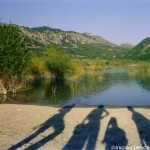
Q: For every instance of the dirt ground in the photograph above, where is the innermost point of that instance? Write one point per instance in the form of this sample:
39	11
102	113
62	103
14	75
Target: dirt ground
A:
73	128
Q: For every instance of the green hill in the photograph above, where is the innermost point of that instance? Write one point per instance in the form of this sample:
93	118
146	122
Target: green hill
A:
141	51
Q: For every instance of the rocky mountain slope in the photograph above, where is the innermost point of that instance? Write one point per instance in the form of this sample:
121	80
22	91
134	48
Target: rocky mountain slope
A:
76	44
46	35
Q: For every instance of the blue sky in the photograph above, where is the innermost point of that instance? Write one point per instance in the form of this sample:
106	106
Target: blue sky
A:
118	21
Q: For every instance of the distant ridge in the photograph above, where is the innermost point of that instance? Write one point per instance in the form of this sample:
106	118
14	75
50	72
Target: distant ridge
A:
77	45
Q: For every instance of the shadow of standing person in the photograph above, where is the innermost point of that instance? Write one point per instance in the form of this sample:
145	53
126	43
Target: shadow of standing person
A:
55	122
114	136
143	126
87	131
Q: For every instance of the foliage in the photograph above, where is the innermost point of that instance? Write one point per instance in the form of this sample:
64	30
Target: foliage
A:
99	51
92	64
141	51
59	63
14	57
38	66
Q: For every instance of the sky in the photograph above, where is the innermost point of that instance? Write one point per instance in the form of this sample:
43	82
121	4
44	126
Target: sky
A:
119	21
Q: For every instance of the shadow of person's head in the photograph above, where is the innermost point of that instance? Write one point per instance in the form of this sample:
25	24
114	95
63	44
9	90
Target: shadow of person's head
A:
130	108
66	109
113	122
101	106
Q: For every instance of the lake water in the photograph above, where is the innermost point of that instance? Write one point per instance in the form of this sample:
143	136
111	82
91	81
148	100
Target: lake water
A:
117	86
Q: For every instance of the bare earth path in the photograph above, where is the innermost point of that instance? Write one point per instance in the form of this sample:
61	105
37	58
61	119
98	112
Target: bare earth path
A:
72	128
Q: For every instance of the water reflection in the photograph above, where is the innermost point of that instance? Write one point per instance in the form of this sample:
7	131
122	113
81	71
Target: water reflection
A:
57	90
144	81
130	87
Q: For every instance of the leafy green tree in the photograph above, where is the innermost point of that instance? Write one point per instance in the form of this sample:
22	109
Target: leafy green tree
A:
59	63
14	57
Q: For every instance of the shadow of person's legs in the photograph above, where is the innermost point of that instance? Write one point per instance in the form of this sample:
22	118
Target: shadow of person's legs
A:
87	131
56	122
143	126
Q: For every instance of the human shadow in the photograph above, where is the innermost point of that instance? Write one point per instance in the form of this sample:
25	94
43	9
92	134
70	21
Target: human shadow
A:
114	136
143	126
55	122
87	131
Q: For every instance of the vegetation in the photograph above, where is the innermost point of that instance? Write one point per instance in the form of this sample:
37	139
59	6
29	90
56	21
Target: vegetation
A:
16	63
100	62
38	68
14	57
141	51
59	63
99	51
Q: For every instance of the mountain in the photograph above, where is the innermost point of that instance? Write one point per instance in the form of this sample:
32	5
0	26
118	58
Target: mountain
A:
141	51
127	45
77	44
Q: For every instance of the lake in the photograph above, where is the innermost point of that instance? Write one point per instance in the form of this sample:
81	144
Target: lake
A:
110	86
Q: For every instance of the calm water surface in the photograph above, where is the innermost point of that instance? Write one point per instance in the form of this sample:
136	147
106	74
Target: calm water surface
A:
119	86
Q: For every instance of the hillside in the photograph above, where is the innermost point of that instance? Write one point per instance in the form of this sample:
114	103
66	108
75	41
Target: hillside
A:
127	45
141	51
77	44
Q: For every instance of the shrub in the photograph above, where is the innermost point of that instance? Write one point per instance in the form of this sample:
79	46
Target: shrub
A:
37	66
59	63
14	57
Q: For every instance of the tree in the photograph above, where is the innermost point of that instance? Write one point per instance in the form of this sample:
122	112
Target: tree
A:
14	57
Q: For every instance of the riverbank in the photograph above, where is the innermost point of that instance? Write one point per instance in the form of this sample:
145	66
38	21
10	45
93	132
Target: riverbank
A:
29	126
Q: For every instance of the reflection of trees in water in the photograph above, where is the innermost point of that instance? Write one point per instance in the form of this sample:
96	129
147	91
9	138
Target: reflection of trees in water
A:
35	90
114	78
96	83
64	90
2	98
88	84
143	80
141	76
58	90
10	98
52	91
138	74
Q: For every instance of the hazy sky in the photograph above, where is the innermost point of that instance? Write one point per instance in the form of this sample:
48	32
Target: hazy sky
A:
116	20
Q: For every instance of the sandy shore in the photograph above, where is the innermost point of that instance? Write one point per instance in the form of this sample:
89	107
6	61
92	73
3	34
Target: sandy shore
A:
50	128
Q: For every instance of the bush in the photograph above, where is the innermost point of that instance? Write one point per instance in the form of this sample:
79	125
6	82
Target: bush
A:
38	68
59	63
14	57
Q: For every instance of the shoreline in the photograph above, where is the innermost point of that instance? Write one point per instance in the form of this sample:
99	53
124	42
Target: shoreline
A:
19	121
77	106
